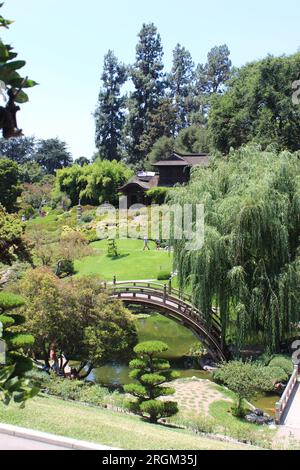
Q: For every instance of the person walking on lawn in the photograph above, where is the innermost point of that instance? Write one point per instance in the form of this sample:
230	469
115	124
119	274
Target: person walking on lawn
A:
146	246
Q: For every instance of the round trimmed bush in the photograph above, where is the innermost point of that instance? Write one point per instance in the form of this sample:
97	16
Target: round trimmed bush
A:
282	362
158	409
163	276
65	268
277	374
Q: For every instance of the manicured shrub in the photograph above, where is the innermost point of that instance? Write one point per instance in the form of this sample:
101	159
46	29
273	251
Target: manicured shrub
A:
277	374
158	409
65	267
164	275
151	372
72	389
66	389
283	362
94	395
197	423
87	217
112	249
245	379
157	195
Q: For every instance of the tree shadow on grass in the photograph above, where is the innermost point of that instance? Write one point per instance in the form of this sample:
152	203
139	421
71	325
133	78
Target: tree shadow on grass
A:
119	257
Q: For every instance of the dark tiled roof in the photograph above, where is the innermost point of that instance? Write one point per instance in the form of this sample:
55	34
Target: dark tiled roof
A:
143	183
179	159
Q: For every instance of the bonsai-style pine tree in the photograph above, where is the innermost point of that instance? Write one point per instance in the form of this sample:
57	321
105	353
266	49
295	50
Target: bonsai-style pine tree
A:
151	372
13	385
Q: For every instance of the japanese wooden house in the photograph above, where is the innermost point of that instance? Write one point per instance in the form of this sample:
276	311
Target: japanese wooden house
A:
174	170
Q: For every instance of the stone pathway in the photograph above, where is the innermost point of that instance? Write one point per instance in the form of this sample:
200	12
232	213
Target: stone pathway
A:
196	395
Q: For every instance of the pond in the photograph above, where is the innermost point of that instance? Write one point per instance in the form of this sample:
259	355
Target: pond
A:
156	327
181	342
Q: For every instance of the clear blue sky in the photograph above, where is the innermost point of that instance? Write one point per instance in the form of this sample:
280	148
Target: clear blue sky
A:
64	42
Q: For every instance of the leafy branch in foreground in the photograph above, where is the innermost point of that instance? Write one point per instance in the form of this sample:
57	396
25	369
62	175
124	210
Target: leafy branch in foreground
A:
12	84
13	386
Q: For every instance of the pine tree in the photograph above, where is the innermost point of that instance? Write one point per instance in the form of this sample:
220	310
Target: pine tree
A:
181	84
210	79
152	374
149	82
109	115
218	68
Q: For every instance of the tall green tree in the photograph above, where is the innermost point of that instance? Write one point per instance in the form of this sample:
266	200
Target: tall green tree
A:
78	317
217	69
149	82
95	183
249	265
31	172
161	125
161	150
9	184
181	81
258	106
82	161
19	149
52	155
210	79
193	139
110	111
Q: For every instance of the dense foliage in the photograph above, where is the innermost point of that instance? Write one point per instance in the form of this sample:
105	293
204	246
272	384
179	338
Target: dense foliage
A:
52	154
9	184
77	317
19	149
13	244
258	106
95	183
161	103
158	195
77	390
148	79
249	265
245	379
152	373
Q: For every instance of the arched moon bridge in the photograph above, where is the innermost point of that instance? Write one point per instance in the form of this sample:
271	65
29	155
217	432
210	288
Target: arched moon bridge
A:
176	305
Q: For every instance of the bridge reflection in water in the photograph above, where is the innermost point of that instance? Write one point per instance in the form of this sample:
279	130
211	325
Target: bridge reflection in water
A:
176	305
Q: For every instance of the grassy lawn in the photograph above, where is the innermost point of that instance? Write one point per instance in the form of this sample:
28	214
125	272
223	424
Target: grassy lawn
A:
241	430
133	263
105	427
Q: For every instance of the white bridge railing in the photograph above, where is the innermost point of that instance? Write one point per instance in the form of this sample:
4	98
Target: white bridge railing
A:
284	400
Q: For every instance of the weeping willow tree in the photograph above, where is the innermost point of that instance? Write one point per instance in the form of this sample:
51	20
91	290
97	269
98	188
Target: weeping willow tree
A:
249	265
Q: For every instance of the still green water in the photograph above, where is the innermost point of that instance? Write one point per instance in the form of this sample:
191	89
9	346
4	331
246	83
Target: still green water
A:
181	341
156	327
